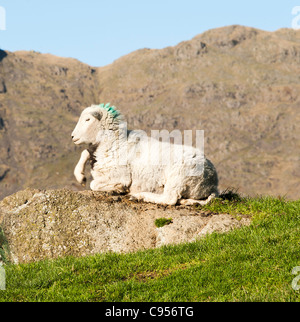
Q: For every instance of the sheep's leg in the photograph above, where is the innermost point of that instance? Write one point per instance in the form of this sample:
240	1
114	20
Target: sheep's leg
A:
190	202
170	196
80	167
104	187
165	199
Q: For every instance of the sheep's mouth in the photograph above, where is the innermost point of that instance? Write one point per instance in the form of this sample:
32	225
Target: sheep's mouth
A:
76	140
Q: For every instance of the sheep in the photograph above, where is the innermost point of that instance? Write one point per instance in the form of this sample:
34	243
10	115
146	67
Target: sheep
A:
130	162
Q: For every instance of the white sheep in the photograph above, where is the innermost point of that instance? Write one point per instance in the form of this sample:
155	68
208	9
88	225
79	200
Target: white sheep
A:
130	162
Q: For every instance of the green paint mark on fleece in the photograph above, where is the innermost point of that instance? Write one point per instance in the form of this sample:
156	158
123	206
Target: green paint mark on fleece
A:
111	109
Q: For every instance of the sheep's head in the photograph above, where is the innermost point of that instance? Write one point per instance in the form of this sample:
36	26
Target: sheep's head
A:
93	120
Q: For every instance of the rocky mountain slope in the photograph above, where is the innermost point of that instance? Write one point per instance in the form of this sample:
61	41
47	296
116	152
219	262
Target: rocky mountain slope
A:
241	85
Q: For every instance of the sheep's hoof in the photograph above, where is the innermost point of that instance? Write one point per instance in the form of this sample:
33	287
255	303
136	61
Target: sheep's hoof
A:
83	182
133	198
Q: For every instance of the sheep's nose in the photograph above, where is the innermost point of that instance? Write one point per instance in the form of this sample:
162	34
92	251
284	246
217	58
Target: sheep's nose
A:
72	137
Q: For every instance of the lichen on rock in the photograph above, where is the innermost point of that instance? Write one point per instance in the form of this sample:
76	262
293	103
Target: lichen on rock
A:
49	224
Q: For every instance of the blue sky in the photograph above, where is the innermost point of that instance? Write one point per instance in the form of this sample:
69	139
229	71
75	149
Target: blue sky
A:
97	32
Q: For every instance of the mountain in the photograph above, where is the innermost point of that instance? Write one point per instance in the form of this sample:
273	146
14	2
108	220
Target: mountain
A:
238	84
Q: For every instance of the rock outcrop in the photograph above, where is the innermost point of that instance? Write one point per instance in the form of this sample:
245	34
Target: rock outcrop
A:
49	224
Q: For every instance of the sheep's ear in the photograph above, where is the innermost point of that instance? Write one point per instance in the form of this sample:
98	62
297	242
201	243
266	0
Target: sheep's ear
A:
97	115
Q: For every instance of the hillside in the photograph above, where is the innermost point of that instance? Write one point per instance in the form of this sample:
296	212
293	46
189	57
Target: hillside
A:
239	84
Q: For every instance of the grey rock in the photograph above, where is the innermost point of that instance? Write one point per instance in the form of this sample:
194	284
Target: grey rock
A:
49	224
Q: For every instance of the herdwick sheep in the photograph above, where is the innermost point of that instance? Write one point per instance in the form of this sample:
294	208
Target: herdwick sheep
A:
127	162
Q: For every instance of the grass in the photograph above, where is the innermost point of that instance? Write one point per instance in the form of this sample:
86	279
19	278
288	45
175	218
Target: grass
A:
161	222
254	263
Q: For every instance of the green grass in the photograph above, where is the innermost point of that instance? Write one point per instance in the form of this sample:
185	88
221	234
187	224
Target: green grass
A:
161	222
254	263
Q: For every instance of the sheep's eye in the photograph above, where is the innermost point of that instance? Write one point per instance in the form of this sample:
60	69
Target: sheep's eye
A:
87	120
